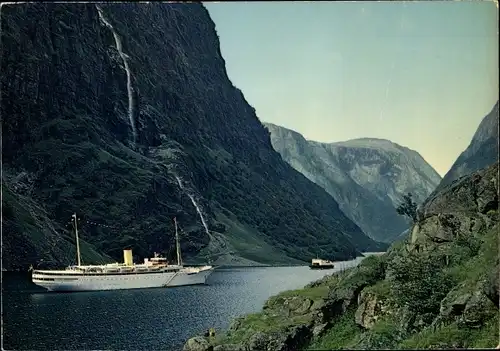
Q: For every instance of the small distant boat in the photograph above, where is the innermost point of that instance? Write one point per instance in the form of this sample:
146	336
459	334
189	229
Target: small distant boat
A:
154	272
317	263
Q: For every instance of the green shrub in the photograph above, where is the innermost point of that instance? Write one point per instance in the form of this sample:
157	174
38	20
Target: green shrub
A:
418	281
488	336
453	335
342	335
476	266
443	337
382	289
385	334
369	271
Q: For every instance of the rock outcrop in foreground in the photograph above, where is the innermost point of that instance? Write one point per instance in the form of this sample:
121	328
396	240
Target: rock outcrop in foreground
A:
437	289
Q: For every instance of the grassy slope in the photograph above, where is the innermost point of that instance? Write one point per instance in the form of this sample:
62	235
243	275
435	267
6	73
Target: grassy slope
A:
249	244
386	332
274	318
468	272
26	229
270	320
240	245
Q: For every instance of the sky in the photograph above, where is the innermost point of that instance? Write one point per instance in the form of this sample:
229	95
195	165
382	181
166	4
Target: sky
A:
421	74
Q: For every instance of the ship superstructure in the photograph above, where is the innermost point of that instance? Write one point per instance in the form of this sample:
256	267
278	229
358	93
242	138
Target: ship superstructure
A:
154	272
317	263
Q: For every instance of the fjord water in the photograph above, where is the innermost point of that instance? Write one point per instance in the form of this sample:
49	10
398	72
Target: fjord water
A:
142	319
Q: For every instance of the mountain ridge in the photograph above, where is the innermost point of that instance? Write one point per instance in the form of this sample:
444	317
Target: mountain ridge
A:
481	151
366	176
108	106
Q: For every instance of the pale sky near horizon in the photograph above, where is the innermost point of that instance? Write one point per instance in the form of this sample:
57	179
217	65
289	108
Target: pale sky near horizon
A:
421	74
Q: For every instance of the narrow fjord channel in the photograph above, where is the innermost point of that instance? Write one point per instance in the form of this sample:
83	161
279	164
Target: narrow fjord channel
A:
146	319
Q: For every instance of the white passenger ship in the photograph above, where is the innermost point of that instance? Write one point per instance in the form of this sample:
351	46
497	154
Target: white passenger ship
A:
154	272
317	263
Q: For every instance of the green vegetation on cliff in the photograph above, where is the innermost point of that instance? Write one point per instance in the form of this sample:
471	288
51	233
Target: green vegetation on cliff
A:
68	142
437	289
20	214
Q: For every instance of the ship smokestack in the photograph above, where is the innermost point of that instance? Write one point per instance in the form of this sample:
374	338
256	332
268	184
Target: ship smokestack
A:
127	257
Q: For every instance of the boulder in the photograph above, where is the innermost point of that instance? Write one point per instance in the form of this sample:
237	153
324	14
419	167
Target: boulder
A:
405	319
490	286
299	306
345	293
459	210
443	228
369	310
319	329
257	342
476	193
290	339
478	309
317	305
235	324
298	337
469	305
198	343
331	309
289	306
342	297
453	305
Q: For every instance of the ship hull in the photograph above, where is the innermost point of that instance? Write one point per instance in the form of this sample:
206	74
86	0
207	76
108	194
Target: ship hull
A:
120	282
321	267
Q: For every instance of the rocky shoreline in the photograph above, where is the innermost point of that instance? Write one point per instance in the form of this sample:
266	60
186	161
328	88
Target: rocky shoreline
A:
290	320
435	289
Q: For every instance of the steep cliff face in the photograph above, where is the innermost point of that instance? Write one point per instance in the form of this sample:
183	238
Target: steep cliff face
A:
367	177
439	289
458	210
481	152
124	113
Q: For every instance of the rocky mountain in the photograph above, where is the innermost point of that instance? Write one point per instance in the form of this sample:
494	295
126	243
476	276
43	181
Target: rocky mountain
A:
124	114
367	177
438	289
481	152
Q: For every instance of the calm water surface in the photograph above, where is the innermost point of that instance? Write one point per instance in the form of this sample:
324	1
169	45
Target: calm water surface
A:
143	319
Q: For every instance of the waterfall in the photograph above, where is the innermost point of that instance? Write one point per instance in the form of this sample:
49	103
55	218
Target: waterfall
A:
199	212
195	204
123	56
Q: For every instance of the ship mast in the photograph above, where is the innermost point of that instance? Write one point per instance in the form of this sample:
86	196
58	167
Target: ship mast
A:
177	246
77	241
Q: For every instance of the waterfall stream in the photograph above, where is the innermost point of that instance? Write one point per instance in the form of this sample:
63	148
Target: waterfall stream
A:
123	56
195	204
